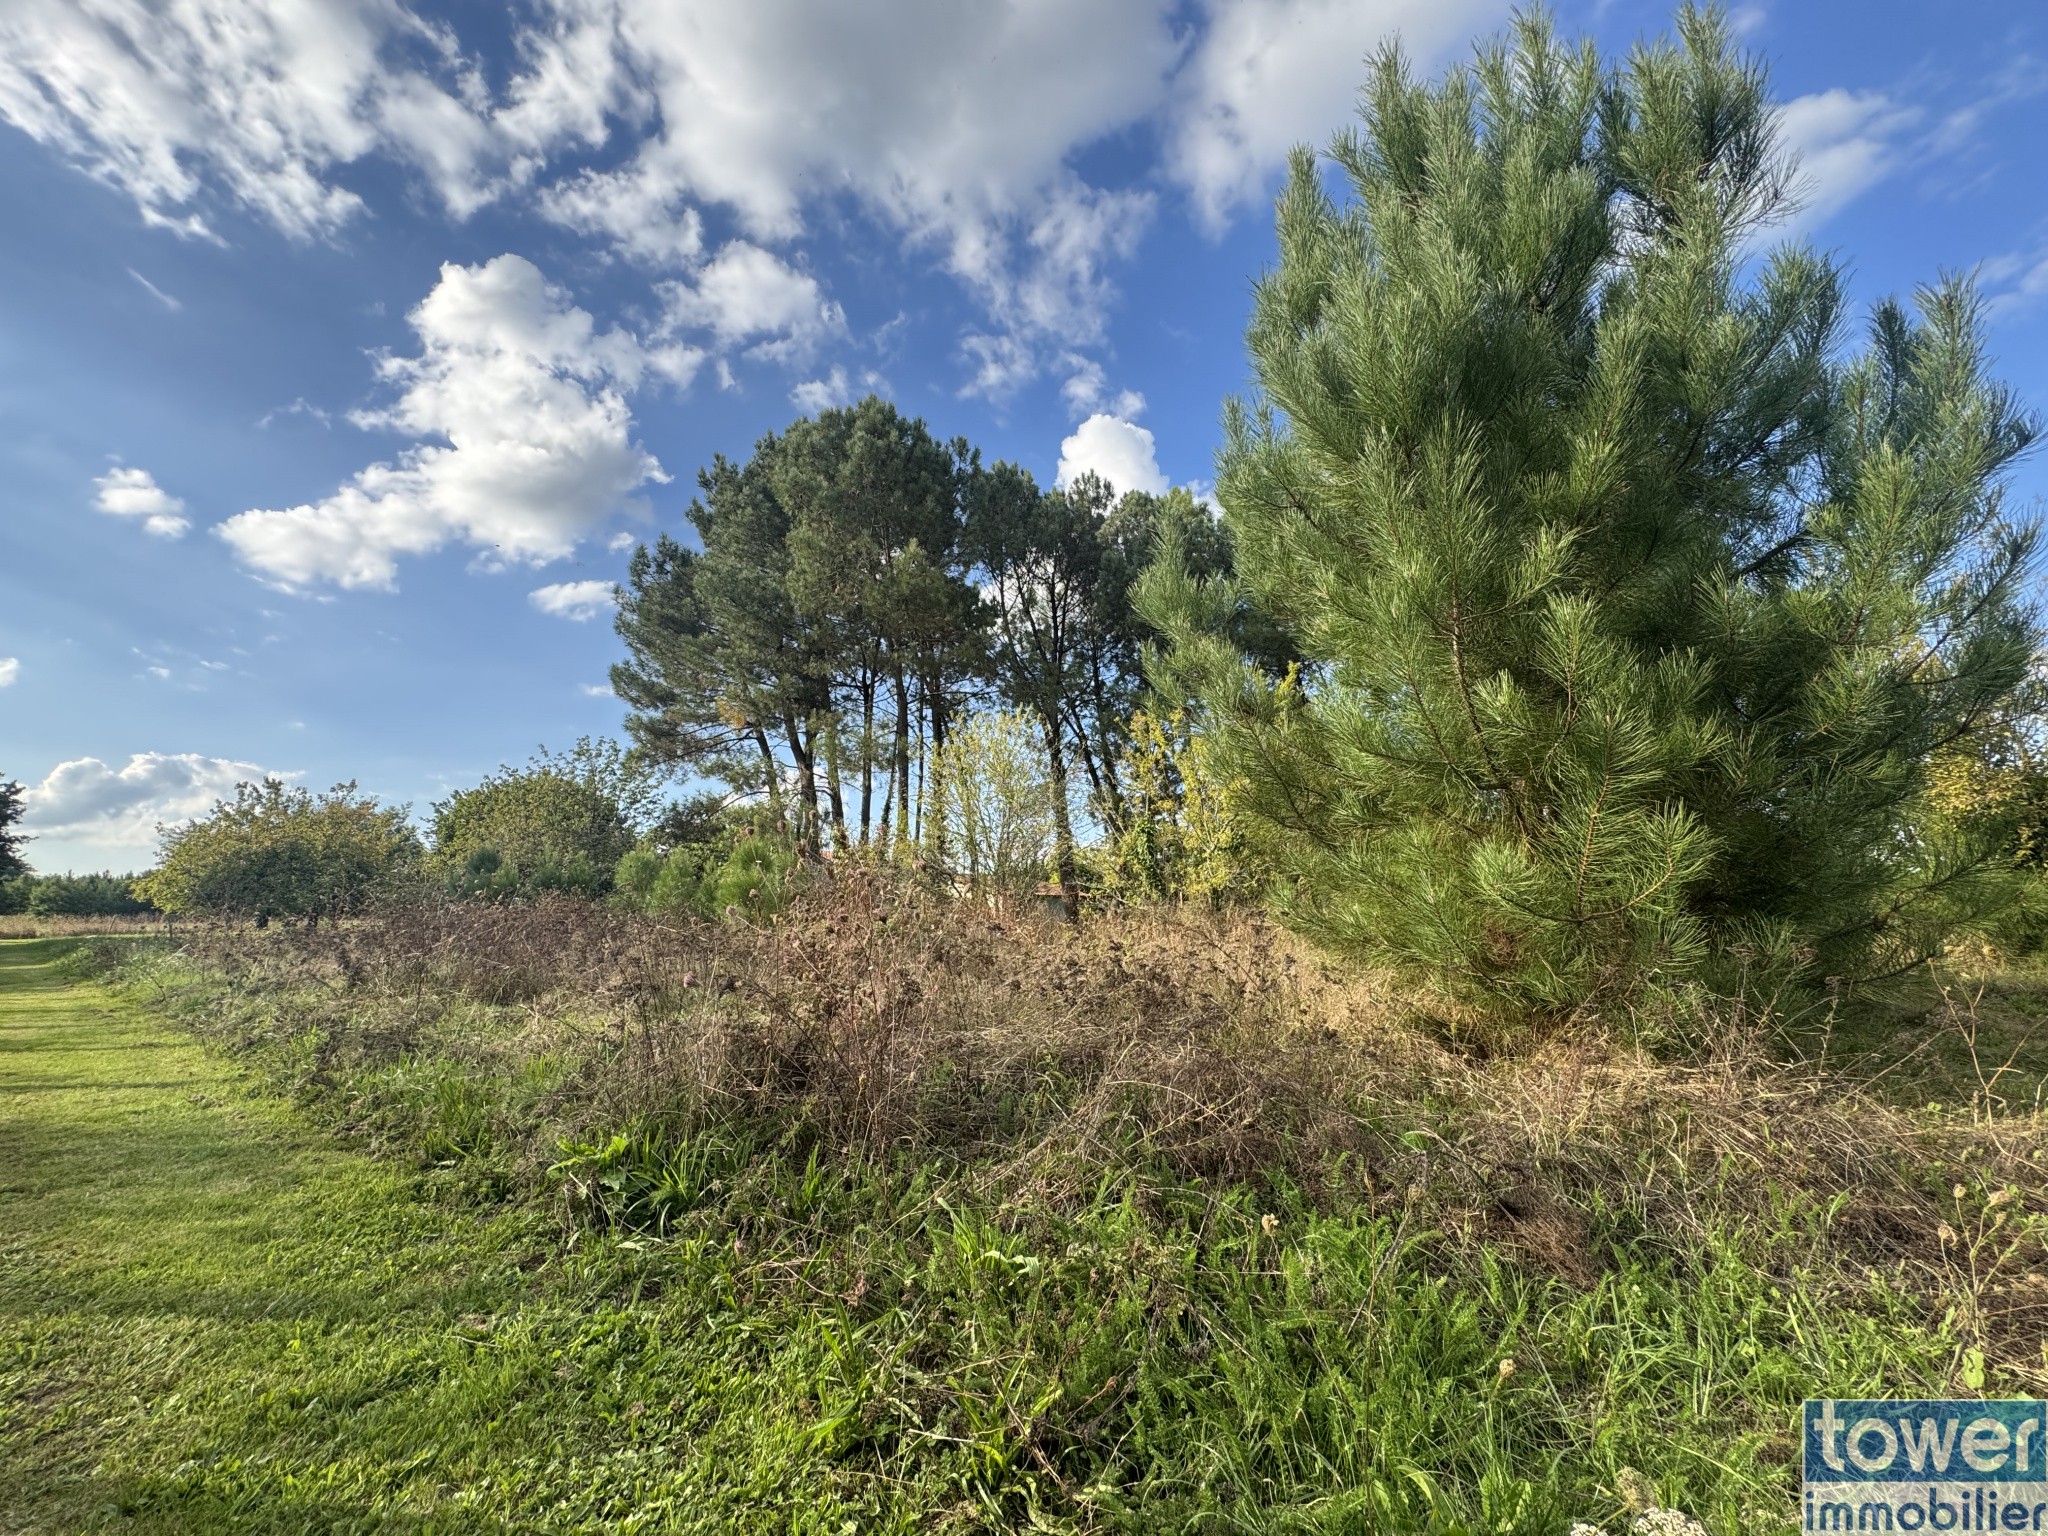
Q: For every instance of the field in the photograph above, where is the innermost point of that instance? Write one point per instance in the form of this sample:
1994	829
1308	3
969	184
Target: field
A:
894	1218
25	927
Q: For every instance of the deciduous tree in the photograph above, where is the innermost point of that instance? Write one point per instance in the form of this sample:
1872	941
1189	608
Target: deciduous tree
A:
275	851
553	825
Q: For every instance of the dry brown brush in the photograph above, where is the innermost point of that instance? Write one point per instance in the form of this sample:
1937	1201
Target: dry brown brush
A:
875	1020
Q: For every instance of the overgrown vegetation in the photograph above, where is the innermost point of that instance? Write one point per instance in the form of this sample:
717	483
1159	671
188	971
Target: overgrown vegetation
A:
1164	1220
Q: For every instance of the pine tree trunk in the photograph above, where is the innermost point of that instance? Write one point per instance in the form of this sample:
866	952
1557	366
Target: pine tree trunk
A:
802	743
772	779
1062	824
867	759
835	794
933	789
899	766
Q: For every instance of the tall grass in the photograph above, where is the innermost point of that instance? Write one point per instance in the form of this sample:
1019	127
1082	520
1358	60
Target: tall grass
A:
1164	1224
22	926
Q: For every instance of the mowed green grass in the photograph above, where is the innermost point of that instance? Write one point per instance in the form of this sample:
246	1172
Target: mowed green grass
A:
211	1319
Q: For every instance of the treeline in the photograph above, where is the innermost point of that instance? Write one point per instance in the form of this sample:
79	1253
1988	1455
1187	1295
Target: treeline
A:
23	891
101	895
858	589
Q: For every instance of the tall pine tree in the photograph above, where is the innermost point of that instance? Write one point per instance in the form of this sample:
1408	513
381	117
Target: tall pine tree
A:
1630	609
825	629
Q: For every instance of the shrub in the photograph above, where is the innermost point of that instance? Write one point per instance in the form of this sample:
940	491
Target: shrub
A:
994	818
527	830
274	851
1180	839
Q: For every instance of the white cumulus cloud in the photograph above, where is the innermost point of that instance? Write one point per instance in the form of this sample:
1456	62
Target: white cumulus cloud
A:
89	802
1121	452
10	669
1266	75
524	443
1846	142
952	126
815	395
130	492
745	293
959	130
578	600
1087	390
157	97
646	218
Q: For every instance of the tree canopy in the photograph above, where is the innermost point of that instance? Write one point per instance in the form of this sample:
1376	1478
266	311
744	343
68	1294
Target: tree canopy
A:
562	822
1631	607
12	862
276	851
860	585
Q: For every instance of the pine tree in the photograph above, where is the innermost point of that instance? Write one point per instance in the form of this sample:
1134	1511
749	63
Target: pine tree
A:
12	863
874	566
723	676
1630	608
1042	552
825	628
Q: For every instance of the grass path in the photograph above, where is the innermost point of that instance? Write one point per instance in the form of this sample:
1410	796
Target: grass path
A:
214	1320
198	1302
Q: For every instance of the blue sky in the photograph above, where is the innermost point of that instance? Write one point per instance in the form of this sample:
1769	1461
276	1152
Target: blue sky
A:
345	345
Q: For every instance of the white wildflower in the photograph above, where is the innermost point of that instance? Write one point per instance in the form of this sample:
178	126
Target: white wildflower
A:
1666	1522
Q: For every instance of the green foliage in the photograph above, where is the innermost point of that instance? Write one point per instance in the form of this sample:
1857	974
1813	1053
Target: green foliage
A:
752	880
12	864
556	825
1990	789
701	820
633	782
275	851
101	895
824	631
736	867
678	884
633	879
1631	612
995	808
1180	840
